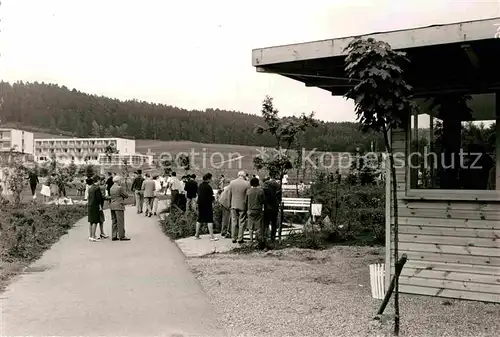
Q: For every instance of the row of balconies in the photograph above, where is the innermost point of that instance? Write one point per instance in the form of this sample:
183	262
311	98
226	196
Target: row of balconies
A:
61	145
65	150
75	158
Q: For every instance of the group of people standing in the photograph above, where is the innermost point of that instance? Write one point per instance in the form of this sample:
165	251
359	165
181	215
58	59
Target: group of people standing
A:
99	190
246	204
148	189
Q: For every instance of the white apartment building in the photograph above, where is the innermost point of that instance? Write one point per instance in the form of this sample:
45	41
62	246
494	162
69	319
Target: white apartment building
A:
18	140
80	150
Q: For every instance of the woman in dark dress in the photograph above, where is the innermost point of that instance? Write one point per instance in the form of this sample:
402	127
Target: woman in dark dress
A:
94	204
205	207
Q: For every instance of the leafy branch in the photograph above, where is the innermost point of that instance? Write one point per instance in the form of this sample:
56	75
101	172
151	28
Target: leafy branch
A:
285	132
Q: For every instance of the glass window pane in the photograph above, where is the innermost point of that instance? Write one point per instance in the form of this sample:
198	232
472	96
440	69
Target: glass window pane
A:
453	143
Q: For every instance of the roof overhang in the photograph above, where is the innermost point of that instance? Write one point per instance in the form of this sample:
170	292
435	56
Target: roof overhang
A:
459	57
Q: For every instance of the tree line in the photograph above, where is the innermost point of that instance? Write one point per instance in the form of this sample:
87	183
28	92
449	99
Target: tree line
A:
56	109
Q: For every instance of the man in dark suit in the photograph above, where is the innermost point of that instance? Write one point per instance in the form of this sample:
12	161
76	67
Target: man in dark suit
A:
272	197
191	188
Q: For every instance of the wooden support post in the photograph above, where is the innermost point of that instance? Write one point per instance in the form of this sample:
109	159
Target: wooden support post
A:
388	222
497	147
432	178
399	267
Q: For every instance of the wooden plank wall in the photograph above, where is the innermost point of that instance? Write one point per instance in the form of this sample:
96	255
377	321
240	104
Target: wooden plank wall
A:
453	247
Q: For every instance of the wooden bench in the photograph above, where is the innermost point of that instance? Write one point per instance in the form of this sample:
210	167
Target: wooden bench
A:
296	205
293	205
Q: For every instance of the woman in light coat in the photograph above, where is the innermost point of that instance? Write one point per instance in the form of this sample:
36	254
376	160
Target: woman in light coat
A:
117	197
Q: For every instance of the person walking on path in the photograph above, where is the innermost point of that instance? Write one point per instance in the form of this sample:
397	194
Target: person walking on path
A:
94	205
237	197
191	188
148	190
272	197
33	179
226	212
255	204
105	196
137	189
176	187
158	192
117	197
205	207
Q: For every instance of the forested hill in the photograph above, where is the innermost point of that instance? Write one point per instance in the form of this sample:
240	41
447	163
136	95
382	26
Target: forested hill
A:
55	109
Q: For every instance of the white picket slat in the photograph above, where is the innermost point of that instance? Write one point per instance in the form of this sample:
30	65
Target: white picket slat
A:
377	273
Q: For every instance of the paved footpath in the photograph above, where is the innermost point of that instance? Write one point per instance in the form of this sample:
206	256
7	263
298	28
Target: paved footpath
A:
142	287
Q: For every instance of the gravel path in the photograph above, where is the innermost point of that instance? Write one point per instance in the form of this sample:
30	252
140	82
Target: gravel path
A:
324	293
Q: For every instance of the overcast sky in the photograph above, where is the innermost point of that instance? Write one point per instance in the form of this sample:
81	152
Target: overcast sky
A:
196	54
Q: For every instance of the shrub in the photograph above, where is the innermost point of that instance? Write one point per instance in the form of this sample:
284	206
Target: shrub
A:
357	213
15	178
27	231
178	224
217	217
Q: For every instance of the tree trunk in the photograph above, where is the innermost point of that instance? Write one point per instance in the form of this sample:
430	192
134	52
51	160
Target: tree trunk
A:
388	147
337	203
297	185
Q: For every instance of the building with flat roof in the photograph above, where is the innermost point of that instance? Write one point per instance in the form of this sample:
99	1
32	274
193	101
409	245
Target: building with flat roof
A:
16	140
448	226
80	150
